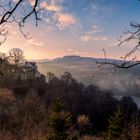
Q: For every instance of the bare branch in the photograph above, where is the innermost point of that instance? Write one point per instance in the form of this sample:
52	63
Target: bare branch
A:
15	12
10	13
123	64
128	60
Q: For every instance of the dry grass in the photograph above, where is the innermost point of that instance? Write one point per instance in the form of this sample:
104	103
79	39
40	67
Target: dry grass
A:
6	94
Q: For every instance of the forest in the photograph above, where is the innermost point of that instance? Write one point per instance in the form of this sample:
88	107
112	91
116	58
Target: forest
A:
61	108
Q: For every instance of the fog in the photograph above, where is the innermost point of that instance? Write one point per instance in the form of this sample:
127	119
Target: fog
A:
120	82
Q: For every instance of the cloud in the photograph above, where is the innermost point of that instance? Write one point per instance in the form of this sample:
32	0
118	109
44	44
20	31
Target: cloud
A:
32	42
32	2
91	35
94	29
64	20
51	7
101	8
14	1
87	38
60	18
100	38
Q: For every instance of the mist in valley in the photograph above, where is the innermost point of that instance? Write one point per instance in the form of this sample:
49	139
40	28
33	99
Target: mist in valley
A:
119	82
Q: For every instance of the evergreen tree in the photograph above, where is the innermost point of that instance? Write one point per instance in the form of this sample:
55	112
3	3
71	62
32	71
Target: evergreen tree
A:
115	126
59	122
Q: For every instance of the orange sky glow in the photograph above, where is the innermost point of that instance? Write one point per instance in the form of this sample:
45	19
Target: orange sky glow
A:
66	30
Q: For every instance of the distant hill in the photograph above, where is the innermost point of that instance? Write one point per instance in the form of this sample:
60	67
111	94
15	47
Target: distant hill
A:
72	58
85	70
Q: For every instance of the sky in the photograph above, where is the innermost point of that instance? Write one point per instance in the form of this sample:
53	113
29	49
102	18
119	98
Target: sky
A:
75	27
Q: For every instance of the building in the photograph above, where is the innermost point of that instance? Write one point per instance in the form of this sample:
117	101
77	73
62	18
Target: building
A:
25	72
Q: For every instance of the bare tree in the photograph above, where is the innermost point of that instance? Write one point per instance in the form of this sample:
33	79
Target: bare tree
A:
16	56
17	11
129	59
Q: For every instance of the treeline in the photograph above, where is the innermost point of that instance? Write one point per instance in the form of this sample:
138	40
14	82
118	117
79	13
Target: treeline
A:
64	109
19	75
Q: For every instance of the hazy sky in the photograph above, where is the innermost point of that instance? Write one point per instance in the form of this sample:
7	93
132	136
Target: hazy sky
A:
76	27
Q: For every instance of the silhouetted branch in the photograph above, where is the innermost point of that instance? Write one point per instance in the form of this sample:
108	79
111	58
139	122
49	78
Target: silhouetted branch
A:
130	35
127	61
124	63
16	12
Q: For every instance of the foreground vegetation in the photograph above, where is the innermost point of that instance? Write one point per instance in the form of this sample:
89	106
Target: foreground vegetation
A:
65	109
62	109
